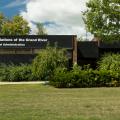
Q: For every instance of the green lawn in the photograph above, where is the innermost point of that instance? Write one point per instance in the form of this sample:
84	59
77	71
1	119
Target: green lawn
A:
37	102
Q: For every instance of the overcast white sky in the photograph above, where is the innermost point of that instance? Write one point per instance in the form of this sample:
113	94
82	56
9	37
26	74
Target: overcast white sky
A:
59	16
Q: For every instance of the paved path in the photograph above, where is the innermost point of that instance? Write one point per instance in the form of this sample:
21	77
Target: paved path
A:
19	83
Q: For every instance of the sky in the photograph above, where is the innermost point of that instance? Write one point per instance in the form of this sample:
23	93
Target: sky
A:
60	17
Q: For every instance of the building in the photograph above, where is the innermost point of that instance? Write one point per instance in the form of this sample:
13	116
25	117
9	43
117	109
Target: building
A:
23	49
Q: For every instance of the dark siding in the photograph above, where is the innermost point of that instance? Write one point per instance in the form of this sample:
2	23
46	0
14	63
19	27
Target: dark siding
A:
16	59
88	53
88	50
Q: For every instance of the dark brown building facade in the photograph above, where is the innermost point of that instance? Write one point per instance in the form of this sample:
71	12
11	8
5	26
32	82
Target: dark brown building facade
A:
23	49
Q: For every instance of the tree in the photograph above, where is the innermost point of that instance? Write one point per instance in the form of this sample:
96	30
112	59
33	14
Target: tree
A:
1	20
80	38
47	61
41	29
15	26
102	19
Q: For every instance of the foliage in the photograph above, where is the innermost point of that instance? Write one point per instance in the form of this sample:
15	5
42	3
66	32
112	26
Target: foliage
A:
15	26
110	61
41	29
2	18
41	69
47	60
15	73
5	72
82	78
102	19
60	78
21	73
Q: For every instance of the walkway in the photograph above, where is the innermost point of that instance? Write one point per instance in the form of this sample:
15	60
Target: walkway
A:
19	83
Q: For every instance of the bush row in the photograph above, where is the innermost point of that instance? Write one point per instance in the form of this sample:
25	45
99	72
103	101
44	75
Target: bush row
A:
51	65
13	72
84	78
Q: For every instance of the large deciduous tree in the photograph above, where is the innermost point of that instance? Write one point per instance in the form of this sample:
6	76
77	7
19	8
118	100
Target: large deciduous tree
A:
102	19
15	26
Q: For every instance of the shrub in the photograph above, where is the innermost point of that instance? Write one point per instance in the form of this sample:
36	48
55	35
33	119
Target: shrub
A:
21	73
15	73
47	60
85	77
5	72
110	62
74	78
41	69
63	78
60	78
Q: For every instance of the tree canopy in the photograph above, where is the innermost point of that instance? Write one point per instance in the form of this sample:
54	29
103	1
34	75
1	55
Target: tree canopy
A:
15	26
41	29
102	19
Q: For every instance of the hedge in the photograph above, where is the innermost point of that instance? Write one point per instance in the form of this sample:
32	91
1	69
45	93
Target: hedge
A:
84	78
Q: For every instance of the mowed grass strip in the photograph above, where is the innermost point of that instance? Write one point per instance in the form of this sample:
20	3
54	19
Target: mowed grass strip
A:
39	102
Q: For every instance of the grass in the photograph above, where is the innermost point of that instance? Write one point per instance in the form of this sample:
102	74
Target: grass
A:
38	102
